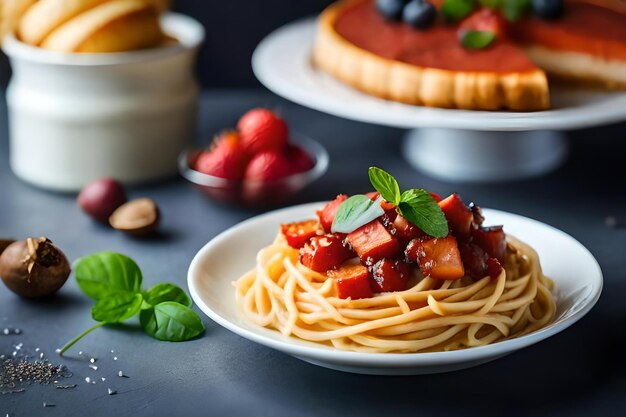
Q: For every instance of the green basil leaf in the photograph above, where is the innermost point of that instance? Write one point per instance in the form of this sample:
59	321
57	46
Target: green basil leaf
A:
492	4
514	9
355	212
166	292
105	273
171	322
421	209
455	10
116	308
385	184
476	39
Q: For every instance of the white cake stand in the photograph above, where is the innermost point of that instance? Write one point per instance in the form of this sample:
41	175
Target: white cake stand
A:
454	145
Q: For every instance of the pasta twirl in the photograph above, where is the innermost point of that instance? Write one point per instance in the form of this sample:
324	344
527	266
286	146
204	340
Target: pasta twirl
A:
431	315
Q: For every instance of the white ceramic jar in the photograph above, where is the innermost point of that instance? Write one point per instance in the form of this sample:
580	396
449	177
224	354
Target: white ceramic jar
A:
74	118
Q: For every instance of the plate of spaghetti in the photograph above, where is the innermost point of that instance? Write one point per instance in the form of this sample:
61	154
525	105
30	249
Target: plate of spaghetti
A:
394	283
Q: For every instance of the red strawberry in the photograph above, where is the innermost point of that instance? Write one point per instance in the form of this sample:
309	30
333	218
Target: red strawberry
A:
262	130
268	166
299	159
484	20
227	159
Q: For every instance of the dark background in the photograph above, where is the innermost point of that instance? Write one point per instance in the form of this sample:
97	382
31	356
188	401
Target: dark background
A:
233	29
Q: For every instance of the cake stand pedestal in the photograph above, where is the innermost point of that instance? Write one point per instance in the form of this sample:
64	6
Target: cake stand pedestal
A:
475	156
450	144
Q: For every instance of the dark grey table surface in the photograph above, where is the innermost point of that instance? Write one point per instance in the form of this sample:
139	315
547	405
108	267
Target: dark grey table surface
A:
581	371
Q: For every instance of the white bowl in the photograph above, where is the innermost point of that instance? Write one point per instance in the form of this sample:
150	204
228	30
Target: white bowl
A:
228	256
74	118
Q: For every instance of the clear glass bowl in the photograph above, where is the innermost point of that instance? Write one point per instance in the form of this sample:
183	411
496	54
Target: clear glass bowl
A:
255	192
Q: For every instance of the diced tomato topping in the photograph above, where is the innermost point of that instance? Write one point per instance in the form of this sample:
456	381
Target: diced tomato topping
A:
386	205
458	214
439	258
405	231
327	214
436	196
372	242
297	234
474	259
493	268
390	275
492	240
322	253
352	281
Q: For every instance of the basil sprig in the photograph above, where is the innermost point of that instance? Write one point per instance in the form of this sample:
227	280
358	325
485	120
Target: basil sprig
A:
514	9
114	281
416	205
477	39
455	10
355	212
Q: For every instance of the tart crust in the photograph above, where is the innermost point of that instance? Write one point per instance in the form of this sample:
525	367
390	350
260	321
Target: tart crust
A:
413	84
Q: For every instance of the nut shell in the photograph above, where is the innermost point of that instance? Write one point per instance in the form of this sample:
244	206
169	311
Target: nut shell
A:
137	217
34	267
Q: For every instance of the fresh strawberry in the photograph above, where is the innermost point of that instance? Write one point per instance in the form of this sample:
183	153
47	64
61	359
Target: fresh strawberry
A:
299	159
261	130
485	20
268	166
227	158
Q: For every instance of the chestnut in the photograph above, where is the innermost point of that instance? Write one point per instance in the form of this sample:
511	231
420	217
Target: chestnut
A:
137	217
4	243
34	267
100	198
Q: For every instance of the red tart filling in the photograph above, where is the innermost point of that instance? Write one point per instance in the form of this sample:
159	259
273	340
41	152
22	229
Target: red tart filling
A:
583	28
436	47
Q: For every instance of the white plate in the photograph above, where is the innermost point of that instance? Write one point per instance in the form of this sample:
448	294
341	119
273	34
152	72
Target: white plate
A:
226	257
282	62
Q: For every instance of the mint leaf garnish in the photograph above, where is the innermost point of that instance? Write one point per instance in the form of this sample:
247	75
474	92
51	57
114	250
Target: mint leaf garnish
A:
514	9
355	212
421	209
492	4
475	39
415	205
385	184
455	10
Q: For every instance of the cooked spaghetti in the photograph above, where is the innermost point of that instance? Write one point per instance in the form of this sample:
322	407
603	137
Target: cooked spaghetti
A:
430	315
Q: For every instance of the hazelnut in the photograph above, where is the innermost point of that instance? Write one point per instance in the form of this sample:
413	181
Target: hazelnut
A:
34	267
137	217
4	243
100	198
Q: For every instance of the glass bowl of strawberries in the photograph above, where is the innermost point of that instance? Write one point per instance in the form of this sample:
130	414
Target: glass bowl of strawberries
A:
257	164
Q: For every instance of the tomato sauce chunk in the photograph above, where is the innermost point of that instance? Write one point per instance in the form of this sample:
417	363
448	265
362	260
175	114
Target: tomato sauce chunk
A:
390	275
297	234
458	214
492	240
372	242
406	231
327	214
322	253
352	281
438	258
